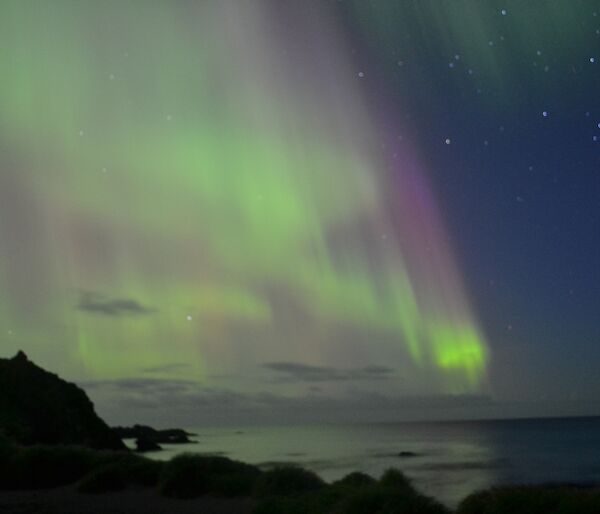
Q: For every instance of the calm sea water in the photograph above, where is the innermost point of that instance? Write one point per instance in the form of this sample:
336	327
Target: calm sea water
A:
452	459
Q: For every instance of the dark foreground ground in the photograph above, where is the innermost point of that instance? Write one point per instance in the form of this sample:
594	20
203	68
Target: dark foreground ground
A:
66	500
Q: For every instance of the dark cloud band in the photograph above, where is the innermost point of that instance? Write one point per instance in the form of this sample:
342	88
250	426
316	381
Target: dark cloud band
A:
95	303
298	372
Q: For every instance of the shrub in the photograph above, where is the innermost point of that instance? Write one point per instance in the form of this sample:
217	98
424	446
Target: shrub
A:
121	473
475	503
189	476
42	467
392	494
233	485
378	500
281	506
532	500
288	481
106	478
356	479
7	450
144	472
321	501
395	479
370	500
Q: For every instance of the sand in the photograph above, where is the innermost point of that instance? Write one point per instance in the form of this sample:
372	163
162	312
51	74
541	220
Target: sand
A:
66	500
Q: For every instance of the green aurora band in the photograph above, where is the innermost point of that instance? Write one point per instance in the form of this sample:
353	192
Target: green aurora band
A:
173	195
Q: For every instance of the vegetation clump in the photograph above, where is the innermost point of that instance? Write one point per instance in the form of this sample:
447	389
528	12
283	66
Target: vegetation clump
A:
40	467
288	481
190	476
118	474
355	480
357	493
533	500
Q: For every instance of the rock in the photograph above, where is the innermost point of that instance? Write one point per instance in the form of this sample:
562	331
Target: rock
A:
167	436
146	445
135	432
408	454
38	407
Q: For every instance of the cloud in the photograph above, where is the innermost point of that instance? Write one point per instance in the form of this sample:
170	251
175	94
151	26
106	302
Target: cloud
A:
95	303
149	386
298	372
178	402
167	368
189	403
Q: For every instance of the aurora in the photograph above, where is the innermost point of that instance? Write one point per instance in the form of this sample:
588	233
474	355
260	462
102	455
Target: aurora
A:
173	196
310	255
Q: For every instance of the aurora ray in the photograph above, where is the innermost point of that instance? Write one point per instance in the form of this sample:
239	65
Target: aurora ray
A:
232	188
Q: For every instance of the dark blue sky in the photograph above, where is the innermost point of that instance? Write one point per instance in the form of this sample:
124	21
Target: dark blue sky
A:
520	189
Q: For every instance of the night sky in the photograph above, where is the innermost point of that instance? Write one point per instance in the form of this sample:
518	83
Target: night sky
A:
219	211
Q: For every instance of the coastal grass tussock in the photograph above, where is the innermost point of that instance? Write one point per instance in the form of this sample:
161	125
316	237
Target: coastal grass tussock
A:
288	481
39	467
533	500
356	493
392	494
129	470
355	480
190	476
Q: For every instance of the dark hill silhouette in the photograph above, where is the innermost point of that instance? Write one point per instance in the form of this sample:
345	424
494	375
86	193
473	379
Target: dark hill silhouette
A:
38	407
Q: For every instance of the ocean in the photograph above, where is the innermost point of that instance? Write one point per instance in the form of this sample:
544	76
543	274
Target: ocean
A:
448	460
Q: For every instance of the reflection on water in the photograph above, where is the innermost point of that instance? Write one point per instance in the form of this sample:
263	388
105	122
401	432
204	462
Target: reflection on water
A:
445	460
